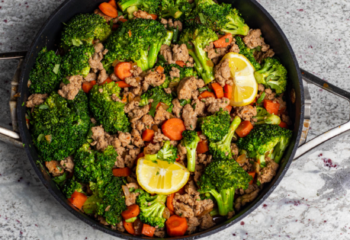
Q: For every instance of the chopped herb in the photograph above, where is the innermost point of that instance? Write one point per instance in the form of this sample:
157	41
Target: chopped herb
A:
227	40
183	102
261	98
194	106
131	189
157	173
23	104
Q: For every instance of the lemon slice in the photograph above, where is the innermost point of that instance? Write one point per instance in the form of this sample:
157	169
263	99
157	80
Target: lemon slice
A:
245	87
161	177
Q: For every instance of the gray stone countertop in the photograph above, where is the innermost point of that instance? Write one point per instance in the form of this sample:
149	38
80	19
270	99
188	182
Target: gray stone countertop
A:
311	202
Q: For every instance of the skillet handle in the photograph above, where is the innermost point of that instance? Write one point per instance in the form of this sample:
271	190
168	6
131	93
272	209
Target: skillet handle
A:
330	135
6	135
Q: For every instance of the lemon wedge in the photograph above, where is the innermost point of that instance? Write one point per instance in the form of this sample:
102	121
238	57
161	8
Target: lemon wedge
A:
161	177
245	87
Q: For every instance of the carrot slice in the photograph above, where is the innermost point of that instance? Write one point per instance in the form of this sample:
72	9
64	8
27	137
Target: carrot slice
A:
229	108
130	33
122	20
219	91
224	41
271	107
148	230
176	226
169	203
160	69
140	155
121	172
132	211
123	70
108	9
129	227
154	16
253	176
147	135
202	147
244	128
283	125
206	94
78	199
87	86
122	84
173	128
112	2
228	91
108	80
180	63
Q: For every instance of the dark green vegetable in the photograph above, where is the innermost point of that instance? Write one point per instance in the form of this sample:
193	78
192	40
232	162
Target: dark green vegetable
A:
158	95
190	142
263	117
70	187
151	209
60	180
175	9
261	98
247	52
167	153
216	126
45	76
76	61
150	6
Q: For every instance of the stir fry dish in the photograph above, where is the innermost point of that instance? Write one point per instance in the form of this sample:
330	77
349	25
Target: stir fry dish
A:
159	117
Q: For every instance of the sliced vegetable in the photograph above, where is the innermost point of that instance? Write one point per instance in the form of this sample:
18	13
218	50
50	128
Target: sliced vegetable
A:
132	211
87	86
224	41
202	147
176	226
271	106
219	91
121	172
148	230
148	135
78	199
180	63
244	129
173	128
123	70
122	84
108	9
206	94
129	227
283	125
228	91
169	203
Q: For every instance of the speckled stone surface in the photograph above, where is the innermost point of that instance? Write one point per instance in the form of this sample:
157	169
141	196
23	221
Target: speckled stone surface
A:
312	201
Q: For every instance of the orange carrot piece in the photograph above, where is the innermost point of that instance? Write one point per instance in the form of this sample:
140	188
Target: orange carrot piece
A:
122	84
253	176
108	80
206	94
283	125
87	86
202	147
228	91
78	199
112	2
130	33
173	128
219	91
271	107
148	135
169	203
180	63
154	16
140	155
123	20
224	41
228	108
176	226
129	227
108	9
148	230
132	211
244	128
160	69
123	70
121	172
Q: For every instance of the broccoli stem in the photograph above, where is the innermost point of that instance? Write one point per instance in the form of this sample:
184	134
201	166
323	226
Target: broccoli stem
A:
224	200
207	64
143	61
176	35
131	11
124	6
153	53
169	37
198	66
191	159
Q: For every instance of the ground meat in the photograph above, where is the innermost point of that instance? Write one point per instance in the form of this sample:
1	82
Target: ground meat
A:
102	76
178	25
131	106
98	12
90	77
100	140
223	72
114	77
234	149
98	47
142	14
177	108
207	221
161	115
198	172
138	113
283	104
35	99
285	118
120	227
167	90
147	120
189	116
70	90
137	139
182	209
138	125
165	50
54	168
136	71
214	105
246	198
181	150
234	47
246	112
180	53
174	73
204	159
159	233
152	148
267	173
261	88
131	157
124	138
133	81
102	220
153	78
192	223
159	137
187	86
260	56
95	62
68	164
131	199
270	95
254	39
198	107
216	52
203	207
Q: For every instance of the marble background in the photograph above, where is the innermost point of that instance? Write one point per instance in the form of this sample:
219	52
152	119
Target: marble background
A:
312	201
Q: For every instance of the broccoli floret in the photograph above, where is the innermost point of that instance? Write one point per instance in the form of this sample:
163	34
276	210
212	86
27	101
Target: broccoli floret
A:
158	95
152	208
167	153
59	126
222	148
150	6
190	142
45	76
221	17
263	117
216	126
76	61
86	168
138	40
60	180
84	29
184	72
175	9
72	186
266	140
107	112
273	74
197	37
247	52
221	179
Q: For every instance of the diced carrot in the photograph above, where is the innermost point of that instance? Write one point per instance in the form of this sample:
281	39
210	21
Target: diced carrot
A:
148	230
206	94
130	33
219	91
178	158
131	211
176	226
112	2
78	199
169	203
129	227
148	135
244	128
87	86
123	70
154	16
160	69
122	20
181	191
202	147
108	80
140	155
229	108
271	107
122	84
228	91
224	41
173	128
253	176
121	172
283	125
108	9
180	63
